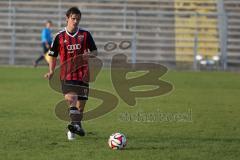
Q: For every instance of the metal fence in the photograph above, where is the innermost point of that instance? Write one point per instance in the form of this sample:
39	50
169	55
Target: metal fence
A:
134	28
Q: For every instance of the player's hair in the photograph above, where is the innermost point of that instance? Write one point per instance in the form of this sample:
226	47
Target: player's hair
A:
73	10
48	21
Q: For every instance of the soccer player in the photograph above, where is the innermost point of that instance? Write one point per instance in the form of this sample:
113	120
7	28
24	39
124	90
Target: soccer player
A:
74	46
46	38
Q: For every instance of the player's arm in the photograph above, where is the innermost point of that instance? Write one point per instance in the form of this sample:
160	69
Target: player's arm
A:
93	54
53	53
52	65
92	47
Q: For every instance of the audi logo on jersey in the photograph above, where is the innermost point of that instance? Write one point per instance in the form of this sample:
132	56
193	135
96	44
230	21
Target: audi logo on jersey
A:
73	47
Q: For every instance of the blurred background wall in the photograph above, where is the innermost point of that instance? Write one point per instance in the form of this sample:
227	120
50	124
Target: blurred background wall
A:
191	34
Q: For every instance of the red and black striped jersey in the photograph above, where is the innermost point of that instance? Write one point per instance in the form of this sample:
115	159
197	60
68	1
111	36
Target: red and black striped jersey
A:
70	48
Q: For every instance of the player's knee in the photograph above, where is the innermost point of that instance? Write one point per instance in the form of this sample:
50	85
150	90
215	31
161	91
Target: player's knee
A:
71	98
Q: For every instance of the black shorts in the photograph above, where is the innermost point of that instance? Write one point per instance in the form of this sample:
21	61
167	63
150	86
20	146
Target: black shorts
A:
78	87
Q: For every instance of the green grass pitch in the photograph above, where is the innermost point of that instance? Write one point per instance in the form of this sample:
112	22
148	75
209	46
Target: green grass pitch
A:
210	100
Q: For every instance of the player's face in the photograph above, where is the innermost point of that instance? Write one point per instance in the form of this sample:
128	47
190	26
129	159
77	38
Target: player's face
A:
49	25
73	21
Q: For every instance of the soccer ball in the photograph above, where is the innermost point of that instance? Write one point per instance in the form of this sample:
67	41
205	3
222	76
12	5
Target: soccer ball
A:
117	141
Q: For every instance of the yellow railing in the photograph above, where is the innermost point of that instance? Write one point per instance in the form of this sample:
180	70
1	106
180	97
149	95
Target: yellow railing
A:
197	28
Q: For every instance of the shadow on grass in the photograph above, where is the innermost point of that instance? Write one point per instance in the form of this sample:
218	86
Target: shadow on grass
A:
142	148
177	143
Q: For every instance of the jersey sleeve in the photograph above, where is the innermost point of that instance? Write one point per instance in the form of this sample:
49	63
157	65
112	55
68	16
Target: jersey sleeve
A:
54	49
91	44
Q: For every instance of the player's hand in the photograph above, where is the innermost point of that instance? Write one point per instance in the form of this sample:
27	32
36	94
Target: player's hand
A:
48	75
85	55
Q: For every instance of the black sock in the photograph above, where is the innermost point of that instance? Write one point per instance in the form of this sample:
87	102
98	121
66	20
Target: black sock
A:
75	116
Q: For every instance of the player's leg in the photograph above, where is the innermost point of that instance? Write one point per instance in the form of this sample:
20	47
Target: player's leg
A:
76	96
81	106
36	62
82	98
71	99
75	114
41	57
